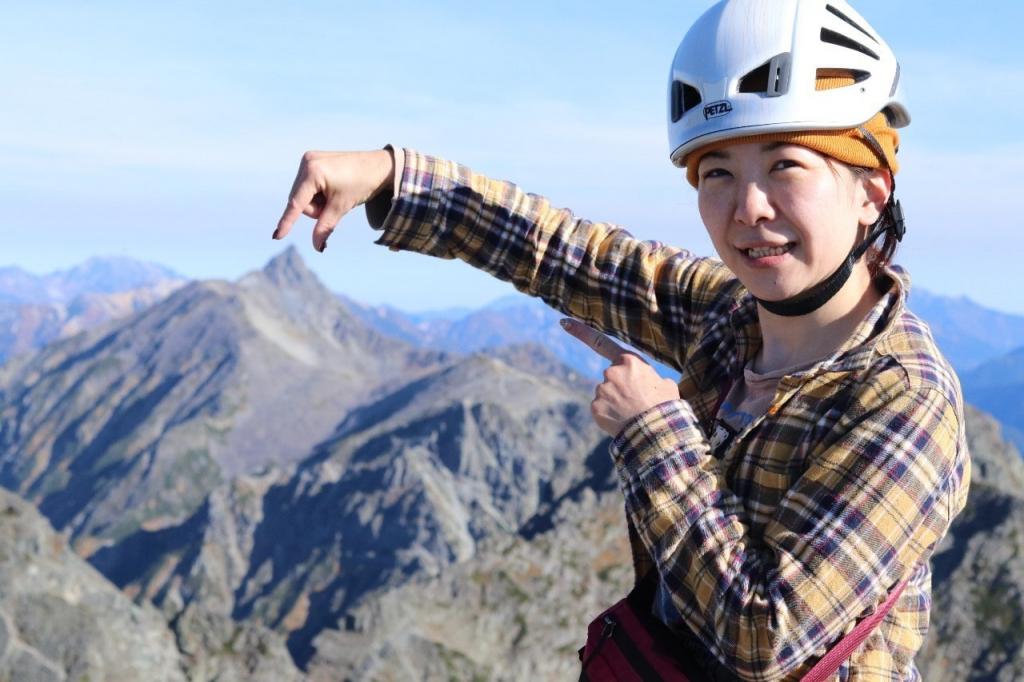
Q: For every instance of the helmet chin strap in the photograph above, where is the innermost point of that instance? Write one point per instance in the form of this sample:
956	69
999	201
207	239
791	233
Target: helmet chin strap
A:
821	293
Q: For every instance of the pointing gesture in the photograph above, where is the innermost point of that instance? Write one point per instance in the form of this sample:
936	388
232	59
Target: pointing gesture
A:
600	343
630	386
330	184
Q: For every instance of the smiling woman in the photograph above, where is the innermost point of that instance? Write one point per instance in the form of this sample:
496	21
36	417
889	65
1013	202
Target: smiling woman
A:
784	499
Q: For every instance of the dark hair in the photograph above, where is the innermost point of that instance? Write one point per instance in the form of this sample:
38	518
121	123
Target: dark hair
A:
877	256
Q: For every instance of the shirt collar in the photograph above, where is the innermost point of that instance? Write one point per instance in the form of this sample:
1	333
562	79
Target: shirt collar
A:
858	350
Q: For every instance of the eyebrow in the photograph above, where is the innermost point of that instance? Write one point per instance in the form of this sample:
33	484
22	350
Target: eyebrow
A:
723	154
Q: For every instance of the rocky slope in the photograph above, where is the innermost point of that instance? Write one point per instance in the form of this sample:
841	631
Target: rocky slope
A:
515	604
978	583
61	620
517	610
408	485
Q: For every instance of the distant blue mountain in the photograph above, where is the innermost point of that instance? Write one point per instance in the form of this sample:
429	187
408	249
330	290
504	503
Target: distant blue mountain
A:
510	320
38	309
967	333
98	275
997	386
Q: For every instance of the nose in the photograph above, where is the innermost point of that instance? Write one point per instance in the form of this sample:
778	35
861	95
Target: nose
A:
752	205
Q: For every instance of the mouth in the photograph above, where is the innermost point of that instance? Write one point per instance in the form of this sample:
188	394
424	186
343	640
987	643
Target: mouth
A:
768	251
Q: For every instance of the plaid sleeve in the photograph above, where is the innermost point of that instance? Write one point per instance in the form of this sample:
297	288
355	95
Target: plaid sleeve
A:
653	296
873	501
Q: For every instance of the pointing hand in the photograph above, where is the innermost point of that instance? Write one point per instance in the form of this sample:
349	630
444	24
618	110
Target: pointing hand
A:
630	386
330	184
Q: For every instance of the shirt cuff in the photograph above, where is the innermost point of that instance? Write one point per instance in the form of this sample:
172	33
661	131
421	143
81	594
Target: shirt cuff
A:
417	218
660	449
669	427
378	208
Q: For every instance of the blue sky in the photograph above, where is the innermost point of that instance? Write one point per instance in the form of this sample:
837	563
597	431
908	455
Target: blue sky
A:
172	133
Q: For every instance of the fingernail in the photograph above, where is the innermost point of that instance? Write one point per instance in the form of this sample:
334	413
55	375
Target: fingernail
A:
274	236
564	322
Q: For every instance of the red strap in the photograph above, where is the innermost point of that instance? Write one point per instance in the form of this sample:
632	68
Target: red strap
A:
662	663
828	664
603	660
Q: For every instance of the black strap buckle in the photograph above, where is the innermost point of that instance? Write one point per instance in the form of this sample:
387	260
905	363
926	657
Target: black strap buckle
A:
609	626
897	223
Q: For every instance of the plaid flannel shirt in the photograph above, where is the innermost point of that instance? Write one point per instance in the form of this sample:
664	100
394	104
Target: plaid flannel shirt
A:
769	552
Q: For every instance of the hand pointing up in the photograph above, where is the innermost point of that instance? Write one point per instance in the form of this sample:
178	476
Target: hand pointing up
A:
630	386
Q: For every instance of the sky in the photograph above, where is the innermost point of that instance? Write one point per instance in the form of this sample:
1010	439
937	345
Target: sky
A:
171	132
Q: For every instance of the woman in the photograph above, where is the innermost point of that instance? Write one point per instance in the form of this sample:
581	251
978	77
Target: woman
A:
813	453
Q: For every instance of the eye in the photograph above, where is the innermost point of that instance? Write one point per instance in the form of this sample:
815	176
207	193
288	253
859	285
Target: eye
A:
783	164
714	173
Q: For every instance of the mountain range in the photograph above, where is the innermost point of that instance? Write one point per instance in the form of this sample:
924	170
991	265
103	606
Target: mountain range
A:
967	333
98	275
37	309
997	386
511	320
297	495
149	440
131	424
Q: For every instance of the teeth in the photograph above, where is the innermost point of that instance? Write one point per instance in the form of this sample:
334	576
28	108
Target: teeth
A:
761	252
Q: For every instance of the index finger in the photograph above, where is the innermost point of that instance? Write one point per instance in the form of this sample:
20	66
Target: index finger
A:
301	196
602	344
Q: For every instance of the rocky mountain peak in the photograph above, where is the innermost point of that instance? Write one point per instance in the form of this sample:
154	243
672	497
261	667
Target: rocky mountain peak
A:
287	303
218	379
288	269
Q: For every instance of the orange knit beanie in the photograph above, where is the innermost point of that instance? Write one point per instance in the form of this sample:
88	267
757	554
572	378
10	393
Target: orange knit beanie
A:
847	145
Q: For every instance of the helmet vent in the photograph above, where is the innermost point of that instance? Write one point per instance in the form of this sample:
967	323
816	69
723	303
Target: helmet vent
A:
756	80
850	21
830	79
771	78
830	36
684	98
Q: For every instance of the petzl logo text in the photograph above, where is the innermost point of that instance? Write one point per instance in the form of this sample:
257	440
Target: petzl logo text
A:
715	109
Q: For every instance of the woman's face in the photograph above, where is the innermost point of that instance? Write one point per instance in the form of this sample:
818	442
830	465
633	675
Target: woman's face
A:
780	216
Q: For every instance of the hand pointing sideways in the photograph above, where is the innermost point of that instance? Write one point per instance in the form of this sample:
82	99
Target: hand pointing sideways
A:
630	386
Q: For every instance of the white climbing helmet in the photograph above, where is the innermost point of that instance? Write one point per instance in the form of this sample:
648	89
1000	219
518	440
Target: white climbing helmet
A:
749	67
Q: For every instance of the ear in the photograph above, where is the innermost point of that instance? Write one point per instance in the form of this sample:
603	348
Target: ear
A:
876	186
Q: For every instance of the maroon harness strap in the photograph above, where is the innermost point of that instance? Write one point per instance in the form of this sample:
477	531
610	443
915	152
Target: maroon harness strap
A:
830	662
624	644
